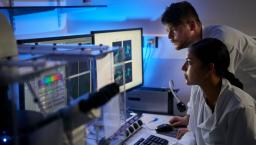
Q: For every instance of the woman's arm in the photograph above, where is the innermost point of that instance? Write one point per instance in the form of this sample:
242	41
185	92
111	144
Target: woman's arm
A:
242	127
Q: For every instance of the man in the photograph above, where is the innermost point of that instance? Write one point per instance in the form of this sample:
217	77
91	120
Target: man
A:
185	28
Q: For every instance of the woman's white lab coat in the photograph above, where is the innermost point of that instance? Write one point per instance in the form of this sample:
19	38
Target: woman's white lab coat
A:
233	121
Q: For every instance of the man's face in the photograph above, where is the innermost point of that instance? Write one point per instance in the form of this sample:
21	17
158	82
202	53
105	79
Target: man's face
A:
180	35
194	72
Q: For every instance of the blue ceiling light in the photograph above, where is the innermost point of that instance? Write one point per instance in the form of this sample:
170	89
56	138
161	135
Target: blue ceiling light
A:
123	10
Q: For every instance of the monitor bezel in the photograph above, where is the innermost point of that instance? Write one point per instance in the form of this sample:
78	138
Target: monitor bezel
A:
43	39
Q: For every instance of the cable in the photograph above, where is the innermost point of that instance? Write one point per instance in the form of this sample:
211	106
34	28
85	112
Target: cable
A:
180	105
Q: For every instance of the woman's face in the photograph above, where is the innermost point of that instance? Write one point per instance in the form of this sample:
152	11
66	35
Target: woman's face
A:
194	72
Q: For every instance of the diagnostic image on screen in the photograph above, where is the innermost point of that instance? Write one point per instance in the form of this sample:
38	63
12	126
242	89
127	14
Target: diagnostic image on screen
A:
123	58
118	53
127	49
119	75
128	72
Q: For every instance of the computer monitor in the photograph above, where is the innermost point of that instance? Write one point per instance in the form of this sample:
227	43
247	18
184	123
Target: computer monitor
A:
78	71
128	60
123	66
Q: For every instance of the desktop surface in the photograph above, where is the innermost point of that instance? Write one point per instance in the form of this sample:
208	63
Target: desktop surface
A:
138	135
150	122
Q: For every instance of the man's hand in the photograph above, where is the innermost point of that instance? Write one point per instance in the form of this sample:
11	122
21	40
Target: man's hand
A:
179	121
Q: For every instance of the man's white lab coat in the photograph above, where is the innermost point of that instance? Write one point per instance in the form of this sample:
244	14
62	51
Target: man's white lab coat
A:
233	121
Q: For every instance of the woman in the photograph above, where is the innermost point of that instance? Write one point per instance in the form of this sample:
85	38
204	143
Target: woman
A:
221	113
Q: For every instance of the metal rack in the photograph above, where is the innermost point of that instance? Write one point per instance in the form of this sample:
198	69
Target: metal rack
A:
70	52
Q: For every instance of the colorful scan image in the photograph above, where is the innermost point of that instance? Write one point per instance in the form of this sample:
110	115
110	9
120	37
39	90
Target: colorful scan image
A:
117	53
128	72
127	49
118	76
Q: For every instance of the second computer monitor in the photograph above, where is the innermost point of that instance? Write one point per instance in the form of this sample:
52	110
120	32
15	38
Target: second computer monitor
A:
127	61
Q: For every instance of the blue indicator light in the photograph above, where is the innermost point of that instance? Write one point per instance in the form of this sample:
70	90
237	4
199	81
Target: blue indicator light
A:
4	140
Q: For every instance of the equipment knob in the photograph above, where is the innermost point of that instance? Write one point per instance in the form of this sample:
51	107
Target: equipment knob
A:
131	129
135	125
140	122
127	133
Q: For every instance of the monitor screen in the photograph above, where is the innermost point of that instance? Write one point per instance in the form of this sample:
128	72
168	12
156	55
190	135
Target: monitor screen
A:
127	62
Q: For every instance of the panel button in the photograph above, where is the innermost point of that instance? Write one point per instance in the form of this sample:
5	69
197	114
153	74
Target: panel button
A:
135	125
131	129
140	122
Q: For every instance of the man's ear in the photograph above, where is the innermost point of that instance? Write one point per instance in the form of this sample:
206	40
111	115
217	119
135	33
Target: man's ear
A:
192	25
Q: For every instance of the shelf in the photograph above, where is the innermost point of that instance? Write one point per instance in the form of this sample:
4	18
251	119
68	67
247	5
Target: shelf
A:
21	10
29	7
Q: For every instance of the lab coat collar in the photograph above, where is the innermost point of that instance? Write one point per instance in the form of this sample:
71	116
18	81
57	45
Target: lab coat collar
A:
210	122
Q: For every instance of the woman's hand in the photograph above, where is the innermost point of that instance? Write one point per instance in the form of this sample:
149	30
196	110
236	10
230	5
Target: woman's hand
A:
181	132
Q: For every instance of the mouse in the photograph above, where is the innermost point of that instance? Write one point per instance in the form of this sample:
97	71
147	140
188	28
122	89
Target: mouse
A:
164	128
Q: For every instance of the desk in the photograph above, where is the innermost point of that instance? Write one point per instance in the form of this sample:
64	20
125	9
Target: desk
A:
150	122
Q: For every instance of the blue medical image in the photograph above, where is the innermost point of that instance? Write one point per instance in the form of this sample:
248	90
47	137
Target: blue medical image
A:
127	49
118	76
117	53
128	72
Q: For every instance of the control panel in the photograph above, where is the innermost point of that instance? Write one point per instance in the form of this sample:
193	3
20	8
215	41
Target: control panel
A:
50	89
129	128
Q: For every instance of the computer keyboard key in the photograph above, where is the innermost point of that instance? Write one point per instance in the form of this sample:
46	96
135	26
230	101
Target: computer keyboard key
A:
139	141
153	140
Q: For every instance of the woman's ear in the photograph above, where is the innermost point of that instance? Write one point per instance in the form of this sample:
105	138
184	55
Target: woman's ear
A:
212	68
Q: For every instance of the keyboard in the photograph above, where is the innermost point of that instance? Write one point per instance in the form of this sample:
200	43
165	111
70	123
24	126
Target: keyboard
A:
152	140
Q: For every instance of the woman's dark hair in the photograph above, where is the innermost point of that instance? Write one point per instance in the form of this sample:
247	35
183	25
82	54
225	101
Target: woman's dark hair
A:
211	50
176	13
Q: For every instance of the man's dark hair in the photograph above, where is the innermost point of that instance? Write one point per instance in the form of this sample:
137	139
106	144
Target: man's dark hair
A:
176	13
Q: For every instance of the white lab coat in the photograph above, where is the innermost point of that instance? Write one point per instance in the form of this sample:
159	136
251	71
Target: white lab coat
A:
242	50
233	121
241	47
